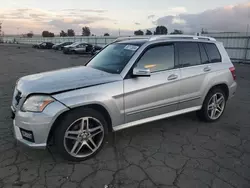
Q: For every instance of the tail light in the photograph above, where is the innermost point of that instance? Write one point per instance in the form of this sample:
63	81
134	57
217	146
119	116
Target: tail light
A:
232	70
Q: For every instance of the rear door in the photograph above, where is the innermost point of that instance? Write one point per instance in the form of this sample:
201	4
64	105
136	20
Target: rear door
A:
146	97
195	69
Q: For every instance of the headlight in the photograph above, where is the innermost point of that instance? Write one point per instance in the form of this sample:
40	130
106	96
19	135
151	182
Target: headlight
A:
37	103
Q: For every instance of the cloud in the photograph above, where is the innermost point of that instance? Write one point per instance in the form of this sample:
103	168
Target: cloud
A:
151	16
85	10
230	18
137	23
51	20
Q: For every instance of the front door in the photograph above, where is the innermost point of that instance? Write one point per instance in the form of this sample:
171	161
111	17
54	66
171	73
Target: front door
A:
158	94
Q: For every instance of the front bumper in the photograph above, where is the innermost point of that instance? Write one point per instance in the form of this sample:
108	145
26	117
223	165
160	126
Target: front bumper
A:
39	124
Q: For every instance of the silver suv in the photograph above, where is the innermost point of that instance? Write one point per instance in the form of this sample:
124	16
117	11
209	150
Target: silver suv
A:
132	81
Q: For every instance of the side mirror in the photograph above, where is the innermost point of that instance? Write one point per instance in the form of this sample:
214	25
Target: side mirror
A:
141	72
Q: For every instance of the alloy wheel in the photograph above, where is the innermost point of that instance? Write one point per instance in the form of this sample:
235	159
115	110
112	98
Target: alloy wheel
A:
83	137
216	106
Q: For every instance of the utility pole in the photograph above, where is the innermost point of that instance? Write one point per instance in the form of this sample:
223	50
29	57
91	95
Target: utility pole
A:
17	31
248	20
1	40
0	29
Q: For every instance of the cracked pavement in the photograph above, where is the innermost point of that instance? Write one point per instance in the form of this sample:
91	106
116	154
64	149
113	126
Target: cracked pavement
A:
180	152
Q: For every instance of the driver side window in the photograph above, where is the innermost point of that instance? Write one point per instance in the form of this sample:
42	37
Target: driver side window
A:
158	58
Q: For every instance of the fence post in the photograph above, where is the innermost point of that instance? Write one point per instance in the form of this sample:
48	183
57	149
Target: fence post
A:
247	46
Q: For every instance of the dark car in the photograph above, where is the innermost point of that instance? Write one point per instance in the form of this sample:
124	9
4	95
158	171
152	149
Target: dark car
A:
44	45
81	48
60	46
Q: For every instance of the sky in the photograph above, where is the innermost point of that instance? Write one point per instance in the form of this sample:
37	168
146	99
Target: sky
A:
22	16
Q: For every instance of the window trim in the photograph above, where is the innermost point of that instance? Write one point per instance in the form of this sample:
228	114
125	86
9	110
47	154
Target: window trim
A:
130	72
204	45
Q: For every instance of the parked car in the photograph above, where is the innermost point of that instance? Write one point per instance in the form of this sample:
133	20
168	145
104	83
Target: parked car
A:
130	82
61	45
37	45
43	45
80	48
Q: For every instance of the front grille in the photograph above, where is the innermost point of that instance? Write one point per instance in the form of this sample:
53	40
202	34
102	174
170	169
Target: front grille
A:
18	97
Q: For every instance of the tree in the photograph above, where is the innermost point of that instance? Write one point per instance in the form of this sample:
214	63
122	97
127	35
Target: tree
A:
51	35
71	32
30	34
86	31
139	32
161	30
47	34
177	32
63	34
203	31
106	34
148	32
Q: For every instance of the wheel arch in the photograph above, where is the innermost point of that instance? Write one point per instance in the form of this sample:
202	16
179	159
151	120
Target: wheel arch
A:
222	86
96	107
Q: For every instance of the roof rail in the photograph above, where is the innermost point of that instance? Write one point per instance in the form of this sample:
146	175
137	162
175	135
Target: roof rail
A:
131	38
159	37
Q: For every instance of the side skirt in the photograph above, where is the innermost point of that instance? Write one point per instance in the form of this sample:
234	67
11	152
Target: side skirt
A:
155	118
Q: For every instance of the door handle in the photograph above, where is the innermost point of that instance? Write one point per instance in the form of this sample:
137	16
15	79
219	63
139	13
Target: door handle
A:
172	77
207	69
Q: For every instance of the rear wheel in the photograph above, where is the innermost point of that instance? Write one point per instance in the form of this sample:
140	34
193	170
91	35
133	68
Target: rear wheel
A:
213	106
81	134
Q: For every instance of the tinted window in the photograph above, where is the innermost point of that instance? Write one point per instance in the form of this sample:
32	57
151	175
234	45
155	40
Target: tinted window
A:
213	53
158	58
204	58
189	54
113	58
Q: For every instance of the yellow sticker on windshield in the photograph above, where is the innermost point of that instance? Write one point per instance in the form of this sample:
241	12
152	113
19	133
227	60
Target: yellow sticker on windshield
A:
149	66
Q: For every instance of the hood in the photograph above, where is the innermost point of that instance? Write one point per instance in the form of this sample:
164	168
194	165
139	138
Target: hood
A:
64	80
68	46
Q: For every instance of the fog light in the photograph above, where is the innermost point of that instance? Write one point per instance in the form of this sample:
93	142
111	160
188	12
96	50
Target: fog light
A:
27	135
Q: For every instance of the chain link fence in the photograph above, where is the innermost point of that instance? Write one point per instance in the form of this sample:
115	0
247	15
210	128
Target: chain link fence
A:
236	44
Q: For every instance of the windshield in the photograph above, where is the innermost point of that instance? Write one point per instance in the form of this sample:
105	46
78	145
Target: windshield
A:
113	58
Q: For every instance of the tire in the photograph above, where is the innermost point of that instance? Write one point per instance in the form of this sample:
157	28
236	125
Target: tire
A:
206	114
71	123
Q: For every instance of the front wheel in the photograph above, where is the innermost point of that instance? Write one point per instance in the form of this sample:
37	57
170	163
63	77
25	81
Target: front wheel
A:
81	134
213	106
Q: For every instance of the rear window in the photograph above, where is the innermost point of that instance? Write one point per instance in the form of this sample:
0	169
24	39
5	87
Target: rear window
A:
213	52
